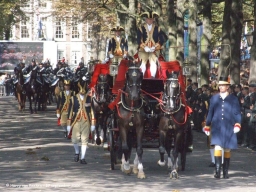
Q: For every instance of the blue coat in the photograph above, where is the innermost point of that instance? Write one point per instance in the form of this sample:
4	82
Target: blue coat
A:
222	117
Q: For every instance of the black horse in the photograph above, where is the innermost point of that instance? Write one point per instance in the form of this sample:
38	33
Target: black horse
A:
131	120
32	89
101	97
173	125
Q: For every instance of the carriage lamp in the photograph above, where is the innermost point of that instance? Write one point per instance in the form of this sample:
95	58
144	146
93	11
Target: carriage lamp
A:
113	68
186	67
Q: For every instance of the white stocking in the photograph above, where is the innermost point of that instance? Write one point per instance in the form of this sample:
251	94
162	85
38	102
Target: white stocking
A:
76	146
83	151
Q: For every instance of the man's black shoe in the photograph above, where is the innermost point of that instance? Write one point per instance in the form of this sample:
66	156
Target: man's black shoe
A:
82	161
211	164
76	158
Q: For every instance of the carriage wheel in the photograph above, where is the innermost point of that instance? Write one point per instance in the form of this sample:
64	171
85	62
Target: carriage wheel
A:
112	149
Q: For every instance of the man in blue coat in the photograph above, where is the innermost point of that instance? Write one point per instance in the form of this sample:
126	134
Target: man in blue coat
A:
224	118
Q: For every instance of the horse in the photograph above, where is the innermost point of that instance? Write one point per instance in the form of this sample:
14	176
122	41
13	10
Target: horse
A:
31	87
173	125
130	120
58	83
101	96
19	91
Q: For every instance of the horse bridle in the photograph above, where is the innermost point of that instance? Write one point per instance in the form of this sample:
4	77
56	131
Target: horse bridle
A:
134	73
174	97
101	84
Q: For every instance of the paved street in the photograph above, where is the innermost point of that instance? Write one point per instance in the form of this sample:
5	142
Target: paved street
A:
34	156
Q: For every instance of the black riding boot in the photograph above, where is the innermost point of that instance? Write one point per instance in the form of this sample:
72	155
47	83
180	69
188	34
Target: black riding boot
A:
225	168
217	166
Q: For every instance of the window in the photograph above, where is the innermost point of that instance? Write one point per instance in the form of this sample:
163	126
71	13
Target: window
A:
75	30
25	4
24	28
60	55
42	3
59	28
75	57
89	36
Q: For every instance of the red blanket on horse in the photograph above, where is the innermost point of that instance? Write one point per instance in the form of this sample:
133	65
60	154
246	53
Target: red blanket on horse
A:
99	69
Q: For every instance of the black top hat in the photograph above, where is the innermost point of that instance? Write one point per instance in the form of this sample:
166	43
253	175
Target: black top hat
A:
223	81
149	14
118	28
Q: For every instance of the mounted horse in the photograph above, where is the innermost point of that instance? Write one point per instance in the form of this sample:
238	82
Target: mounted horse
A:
58	83
101	97
173	124
131	120
19	90
32	88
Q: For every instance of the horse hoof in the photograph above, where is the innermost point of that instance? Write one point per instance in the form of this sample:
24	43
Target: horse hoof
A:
141	175
126	171
105	145
160	163
135	170
174	175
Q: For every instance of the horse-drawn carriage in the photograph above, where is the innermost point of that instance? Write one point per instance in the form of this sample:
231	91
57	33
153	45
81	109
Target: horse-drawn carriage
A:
143	110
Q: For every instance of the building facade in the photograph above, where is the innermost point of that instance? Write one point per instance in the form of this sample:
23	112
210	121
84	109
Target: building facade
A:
71	38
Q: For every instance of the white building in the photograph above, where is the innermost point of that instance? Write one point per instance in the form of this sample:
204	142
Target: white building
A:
62	37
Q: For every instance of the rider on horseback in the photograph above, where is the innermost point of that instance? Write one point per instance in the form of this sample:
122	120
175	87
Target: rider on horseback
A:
20	67
150	39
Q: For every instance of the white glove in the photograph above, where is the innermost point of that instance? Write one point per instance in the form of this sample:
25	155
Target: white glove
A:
124	56
206	131
236	129
68	129
147	49
92	128
152	49
58	115
106	60
111	56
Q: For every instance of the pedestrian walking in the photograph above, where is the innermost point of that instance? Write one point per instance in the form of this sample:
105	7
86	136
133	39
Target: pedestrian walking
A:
224	117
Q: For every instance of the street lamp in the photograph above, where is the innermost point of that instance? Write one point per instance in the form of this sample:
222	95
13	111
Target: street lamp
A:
249	39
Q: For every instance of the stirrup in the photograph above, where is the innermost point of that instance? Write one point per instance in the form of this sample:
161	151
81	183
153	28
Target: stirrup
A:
23	92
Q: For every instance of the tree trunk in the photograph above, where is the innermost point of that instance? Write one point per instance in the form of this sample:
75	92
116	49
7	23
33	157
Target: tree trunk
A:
252	77
172	28
236	33
131	29
206	42
192	29
180	30
225	55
